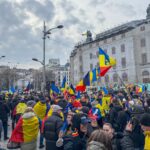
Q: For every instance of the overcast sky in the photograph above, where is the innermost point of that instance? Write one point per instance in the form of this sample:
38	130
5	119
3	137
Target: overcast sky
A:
21	25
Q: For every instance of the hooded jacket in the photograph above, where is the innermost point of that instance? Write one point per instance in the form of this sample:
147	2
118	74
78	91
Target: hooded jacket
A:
94	145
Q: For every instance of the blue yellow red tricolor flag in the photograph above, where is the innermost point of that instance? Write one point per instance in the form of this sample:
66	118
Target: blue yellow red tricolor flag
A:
105	62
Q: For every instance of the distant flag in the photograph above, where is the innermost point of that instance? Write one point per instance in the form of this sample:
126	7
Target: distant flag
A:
54	88
12	89
86	79
71	90
78	95
105	90
64	83
80	86
94	71
105	62
28	87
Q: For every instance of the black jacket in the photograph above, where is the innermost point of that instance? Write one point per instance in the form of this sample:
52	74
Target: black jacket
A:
4	110
52	127
127	142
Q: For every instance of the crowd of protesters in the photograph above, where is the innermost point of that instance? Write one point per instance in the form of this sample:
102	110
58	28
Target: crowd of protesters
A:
118	120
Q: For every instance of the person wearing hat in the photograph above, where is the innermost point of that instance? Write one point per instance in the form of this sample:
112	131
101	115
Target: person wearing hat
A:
77	140
145	125
52	127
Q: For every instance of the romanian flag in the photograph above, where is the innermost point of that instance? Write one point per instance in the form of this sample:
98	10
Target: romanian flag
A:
26	130
80	86
138	89
71	90
20	108
105	62
93	75
40	110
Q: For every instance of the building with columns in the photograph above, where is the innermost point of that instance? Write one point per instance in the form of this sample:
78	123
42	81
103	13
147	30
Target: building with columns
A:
128	43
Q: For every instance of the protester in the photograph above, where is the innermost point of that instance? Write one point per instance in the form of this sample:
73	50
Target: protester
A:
26	130
99	140
4	110
52	128
145	125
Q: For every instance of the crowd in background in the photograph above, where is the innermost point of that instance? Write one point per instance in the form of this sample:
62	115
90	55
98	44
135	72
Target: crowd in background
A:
118	120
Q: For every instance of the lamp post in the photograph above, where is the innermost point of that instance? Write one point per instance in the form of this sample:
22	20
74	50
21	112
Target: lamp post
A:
45	33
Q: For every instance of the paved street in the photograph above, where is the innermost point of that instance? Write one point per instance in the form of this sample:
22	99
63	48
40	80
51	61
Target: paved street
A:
3	144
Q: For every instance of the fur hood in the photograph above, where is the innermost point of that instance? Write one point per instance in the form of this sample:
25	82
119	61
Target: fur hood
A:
94	145
28	115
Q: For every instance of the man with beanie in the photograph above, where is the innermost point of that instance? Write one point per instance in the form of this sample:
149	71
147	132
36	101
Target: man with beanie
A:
145	125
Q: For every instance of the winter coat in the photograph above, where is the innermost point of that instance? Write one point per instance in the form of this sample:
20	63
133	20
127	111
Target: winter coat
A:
51	130
94	145
116	141
113	115
127	142
147	140
74	142
4	110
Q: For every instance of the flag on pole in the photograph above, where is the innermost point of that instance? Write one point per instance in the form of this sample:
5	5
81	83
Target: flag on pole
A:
105	62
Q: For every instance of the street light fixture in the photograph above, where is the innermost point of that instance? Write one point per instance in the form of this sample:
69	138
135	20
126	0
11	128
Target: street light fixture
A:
35	59
2	57
45	33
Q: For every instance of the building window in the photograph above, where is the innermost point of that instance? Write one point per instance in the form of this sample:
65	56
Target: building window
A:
113	38
97	43
91	66
113	50
91	55
105	41
122	48
80	49
123	62
115	77
142	28
125	77
146	76
80	58
143	42
114	67
123	35
144	58
107	78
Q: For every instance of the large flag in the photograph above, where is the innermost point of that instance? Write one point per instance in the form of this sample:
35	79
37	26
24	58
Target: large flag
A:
26	130
105	62
80	86
12	89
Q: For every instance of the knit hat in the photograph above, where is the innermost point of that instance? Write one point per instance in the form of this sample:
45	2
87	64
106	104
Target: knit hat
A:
145	119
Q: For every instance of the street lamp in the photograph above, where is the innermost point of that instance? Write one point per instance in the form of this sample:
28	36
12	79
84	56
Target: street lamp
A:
45	33
2	57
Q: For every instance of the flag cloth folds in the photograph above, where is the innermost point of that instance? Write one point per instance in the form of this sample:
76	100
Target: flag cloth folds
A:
71	90
105	62
26	129
55	89
105	90
64	83
86	80
80	86
94	71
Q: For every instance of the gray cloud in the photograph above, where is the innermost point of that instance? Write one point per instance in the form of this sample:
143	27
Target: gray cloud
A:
44	11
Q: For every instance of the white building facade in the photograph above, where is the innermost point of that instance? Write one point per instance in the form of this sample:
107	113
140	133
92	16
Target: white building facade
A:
128	43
